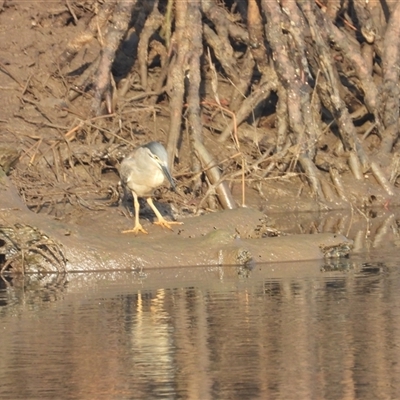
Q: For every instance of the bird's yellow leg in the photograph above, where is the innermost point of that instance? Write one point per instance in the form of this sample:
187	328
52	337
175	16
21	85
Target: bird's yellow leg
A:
138	226
161	220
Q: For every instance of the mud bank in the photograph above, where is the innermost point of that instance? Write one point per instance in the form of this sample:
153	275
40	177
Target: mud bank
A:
234	237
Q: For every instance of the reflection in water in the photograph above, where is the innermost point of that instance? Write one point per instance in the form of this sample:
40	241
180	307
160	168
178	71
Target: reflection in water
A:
282	331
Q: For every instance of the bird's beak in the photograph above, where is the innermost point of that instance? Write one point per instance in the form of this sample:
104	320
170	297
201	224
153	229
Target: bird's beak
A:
167	174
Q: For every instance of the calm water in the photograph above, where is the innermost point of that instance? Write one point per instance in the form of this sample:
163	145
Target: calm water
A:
284	331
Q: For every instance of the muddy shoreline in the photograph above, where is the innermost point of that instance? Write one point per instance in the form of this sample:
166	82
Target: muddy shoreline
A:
232	237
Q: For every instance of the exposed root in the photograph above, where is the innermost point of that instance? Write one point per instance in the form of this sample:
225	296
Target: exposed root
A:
251	91
27	249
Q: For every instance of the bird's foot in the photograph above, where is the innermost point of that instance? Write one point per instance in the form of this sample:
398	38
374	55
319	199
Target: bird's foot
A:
167	224
136	229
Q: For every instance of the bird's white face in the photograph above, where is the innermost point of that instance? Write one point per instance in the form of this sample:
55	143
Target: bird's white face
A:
163	166
157	160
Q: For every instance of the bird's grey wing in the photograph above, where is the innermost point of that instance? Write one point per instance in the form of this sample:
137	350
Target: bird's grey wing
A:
134	174
125	169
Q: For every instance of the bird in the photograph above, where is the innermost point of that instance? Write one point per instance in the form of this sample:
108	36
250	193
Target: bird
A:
141	172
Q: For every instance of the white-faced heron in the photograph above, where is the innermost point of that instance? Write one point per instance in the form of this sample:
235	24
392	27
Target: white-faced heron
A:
141	172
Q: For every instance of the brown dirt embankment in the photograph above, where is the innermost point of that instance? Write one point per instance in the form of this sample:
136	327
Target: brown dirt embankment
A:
234	237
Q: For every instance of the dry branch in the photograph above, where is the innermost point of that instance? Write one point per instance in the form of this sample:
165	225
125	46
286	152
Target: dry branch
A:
317	82
390	92
115	33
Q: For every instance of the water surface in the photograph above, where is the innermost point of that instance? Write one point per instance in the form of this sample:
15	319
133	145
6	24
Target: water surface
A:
280	331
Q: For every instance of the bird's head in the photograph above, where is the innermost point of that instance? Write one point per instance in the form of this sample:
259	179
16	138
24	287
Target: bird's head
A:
159	156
